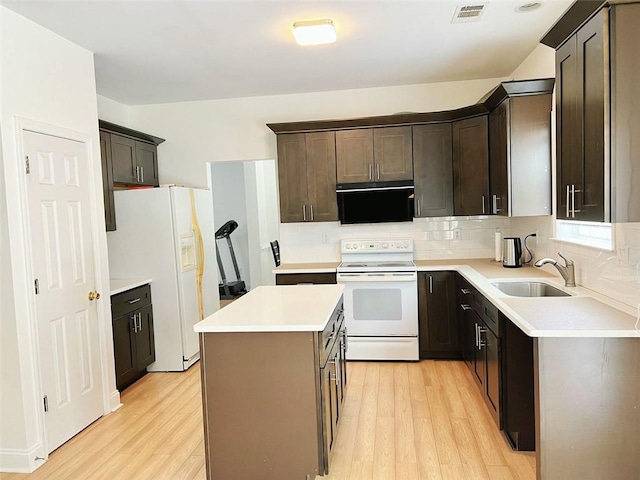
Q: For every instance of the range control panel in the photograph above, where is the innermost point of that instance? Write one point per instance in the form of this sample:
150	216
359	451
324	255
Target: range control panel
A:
390	245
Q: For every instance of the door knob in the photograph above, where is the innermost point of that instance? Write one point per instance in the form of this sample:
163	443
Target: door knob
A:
94	296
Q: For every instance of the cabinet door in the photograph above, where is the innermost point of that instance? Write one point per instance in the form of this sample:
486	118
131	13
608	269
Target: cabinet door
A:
392	154
593	71
491	350
437	315
354	155
147	162
107	181
498	159
292	177
124	349
568	129
433	170
123	159
145	343
471	166
321	176
478	354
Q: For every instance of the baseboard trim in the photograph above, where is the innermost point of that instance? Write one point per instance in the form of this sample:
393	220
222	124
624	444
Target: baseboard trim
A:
14	460
114	400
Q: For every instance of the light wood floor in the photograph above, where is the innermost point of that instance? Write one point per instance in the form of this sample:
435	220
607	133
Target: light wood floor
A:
401	421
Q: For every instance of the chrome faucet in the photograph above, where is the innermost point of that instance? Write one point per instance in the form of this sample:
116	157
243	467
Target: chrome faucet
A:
567	270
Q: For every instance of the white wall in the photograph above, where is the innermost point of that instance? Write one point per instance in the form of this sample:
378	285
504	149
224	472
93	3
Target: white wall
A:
47	79
114	112
235	129
541	63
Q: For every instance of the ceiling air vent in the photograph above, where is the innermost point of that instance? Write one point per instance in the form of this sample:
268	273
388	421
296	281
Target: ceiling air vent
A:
468	13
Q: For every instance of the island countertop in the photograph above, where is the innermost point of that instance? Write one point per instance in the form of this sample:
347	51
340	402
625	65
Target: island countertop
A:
283	308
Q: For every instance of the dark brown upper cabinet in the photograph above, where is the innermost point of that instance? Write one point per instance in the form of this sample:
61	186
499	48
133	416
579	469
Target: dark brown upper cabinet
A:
582	101
520	156
597	78
107	181
433	170
471	166
128	158
354	155
374	155
307	177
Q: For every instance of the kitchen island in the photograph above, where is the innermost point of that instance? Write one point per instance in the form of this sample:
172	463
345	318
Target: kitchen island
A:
273	381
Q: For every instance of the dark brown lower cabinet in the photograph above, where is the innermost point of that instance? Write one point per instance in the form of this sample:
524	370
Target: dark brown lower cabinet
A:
133	335
297	278
438	320
518	404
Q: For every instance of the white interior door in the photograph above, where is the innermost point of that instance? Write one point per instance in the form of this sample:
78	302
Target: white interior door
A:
62	251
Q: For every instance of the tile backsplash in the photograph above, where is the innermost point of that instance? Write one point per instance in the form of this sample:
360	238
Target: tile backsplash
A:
614	274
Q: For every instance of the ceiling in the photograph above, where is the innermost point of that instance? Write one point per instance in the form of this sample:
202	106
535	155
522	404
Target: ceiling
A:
170	51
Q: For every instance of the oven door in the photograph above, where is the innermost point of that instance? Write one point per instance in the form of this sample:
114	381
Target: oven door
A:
380	304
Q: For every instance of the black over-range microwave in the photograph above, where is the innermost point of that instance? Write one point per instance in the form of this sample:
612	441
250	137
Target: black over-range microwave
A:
375	202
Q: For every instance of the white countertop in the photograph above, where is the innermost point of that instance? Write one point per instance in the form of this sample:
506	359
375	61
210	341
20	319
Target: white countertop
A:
584	314
119	285
284	308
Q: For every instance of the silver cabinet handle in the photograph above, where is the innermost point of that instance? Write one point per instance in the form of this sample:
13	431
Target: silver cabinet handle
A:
135	300
141	174
465	307
568	201
430	284
465	291
137	174
476	334
378	171
495	204
311	208
139	322
371	171
482	203
417	207
481	343
304	213
573	200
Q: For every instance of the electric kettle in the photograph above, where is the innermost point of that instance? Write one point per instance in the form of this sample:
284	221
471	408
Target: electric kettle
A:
511	252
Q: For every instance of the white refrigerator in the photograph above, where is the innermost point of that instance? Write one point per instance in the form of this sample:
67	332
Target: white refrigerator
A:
167	234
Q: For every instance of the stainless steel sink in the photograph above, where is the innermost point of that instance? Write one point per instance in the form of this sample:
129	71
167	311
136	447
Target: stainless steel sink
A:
529	289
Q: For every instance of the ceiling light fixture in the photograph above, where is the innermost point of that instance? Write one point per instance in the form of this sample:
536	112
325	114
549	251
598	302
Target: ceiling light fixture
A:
314	32
528	7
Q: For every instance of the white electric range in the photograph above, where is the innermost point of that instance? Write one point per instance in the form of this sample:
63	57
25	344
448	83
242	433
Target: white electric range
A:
380	299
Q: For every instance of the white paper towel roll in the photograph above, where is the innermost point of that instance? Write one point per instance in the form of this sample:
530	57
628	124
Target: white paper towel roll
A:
498	247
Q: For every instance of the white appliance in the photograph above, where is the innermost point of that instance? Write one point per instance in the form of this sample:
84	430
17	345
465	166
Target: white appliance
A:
380	299
167	234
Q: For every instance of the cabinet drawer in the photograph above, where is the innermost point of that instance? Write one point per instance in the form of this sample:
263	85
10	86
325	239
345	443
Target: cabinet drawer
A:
130	300
331	332
490	316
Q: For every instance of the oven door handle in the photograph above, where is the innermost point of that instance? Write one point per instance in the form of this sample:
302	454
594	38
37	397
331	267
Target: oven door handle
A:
376	277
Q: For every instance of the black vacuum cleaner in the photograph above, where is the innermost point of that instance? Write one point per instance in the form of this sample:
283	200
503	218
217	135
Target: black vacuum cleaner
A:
229	289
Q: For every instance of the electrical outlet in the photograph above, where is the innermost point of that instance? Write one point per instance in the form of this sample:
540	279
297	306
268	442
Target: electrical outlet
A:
325	237
457	234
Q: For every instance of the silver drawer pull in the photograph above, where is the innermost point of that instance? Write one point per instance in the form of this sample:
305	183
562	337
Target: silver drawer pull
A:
135	300
465	307
465	291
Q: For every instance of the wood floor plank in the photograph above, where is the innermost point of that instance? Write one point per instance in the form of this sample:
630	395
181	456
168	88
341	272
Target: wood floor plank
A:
419	404
497	472
468	448
407	471
361	471
429	373
386	391
453	472
384	462
365	440
426	450
372	375
447	449
356	372
405	443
